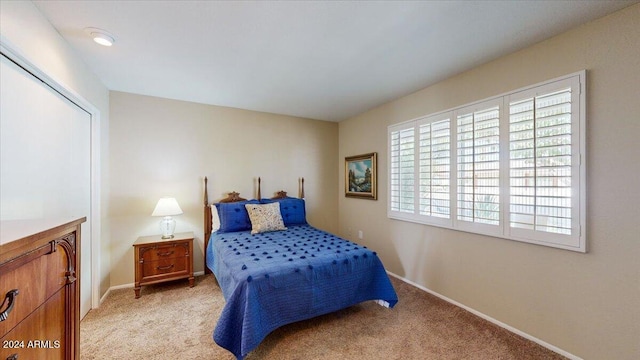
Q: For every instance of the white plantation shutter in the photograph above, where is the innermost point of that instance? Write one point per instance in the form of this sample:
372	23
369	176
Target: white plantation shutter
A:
435	168
478	165
544	157
402	169
420	170
516	163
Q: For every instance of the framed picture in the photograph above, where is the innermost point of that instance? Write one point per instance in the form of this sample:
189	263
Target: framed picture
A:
360	176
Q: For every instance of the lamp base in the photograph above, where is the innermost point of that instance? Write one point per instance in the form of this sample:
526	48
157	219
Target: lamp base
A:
167	226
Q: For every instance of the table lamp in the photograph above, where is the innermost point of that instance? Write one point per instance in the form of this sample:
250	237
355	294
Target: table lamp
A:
166	207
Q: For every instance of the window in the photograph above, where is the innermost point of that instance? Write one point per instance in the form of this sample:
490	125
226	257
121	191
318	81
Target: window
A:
434	168
546	177
420	170
515	163
402	170
478	164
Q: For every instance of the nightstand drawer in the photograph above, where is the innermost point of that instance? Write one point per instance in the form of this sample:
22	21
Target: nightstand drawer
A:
165	266
160	252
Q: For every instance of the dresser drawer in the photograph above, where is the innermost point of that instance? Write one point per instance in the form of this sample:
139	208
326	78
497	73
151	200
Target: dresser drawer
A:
168	251
41	274
41	335
175	266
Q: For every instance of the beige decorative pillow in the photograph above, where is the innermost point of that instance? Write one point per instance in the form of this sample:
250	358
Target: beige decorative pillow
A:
265	217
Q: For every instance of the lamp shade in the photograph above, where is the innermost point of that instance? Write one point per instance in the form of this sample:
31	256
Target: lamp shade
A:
167	206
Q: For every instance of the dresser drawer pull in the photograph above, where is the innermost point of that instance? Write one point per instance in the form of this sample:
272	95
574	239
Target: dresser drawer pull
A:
164	267
9	299
12	357
166	253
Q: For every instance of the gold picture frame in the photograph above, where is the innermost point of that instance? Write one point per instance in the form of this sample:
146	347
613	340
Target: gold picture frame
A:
360	176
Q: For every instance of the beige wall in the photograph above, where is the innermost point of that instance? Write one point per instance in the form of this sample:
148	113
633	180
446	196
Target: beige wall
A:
26	32
165	147
584	304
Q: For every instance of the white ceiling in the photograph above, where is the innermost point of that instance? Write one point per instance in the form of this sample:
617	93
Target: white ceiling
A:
326	60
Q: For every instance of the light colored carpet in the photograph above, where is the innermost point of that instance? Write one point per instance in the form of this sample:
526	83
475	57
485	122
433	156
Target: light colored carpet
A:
173	321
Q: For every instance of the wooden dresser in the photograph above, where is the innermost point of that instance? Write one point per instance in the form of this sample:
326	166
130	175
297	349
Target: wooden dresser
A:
40	294
158	260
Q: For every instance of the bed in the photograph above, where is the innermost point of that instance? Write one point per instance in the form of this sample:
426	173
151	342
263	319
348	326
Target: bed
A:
280	271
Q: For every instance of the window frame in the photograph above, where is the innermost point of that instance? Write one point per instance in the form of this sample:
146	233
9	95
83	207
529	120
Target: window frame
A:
576	241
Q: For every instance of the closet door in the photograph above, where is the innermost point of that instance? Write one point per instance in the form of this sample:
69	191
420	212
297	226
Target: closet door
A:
45	162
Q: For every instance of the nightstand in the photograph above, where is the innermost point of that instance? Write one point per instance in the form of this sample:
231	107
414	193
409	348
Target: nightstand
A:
158	260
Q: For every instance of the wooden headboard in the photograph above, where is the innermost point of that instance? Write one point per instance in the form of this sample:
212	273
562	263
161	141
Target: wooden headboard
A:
234	197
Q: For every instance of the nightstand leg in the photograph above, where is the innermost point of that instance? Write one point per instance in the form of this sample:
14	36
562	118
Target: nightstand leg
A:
191	281
137	290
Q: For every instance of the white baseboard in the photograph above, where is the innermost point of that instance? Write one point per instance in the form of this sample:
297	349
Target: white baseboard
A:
490	319
116	287
106	293
131	285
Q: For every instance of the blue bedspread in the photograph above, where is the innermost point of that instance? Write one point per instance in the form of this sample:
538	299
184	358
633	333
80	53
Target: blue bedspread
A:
276	278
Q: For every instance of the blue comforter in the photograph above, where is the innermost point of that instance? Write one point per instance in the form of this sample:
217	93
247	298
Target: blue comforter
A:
276	278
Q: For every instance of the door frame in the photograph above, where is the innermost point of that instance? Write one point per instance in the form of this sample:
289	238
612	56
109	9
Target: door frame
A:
80	101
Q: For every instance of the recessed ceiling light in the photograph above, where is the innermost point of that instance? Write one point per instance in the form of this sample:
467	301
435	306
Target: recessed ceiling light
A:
100	36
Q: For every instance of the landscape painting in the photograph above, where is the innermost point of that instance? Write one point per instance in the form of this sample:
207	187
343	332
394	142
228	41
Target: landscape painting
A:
360	176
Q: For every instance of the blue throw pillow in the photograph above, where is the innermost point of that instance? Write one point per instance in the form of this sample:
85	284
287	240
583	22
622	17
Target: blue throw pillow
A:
292	210
234	216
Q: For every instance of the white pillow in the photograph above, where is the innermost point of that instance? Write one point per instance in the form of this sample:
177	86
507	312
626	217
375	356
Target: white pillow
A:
265	217
215	218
